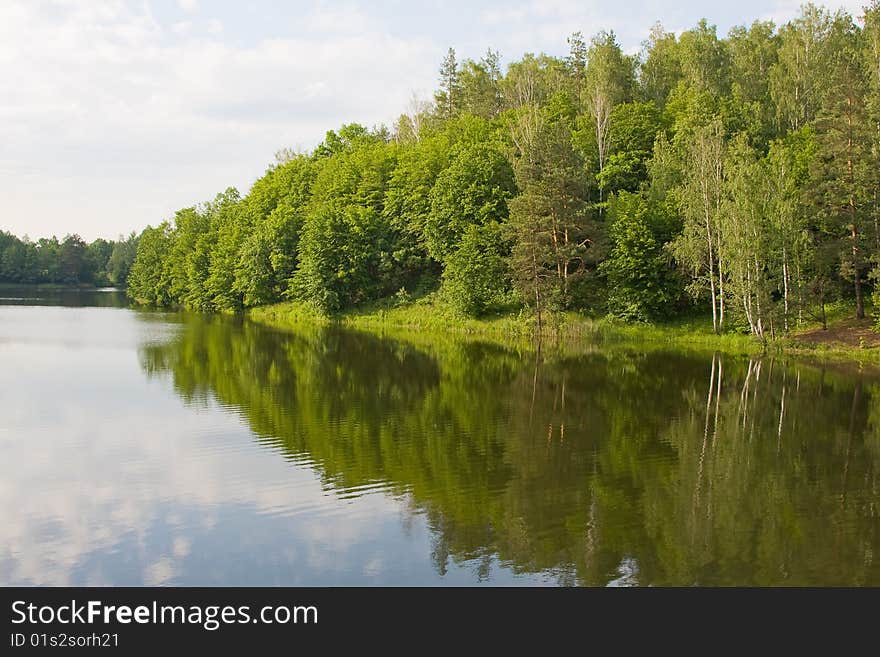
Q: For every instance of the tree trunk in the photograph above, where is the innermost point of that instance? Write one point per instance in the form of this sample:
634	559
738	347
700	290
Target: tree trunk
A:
785	288
712	275
537	296
554	232
712	290
857	276
565	266
720	288
854	230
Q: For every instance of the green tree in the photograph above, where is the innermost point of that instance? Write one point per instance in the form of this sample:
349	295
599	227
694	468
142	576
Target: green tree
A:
74	263
407	202
700	247
448	98
272	213
871	57
473	190
477	277
97	255
642	282
189	259
660	68
798	78
704	60
747	267
842	175
634	127
479	84
121	259
343	253
149	278
230	224
49	268
753	53
548	223
18	260
610	80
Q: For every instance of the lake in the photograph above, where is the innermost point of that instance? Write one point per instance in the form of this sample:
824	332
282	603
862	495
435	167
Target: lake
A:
157	448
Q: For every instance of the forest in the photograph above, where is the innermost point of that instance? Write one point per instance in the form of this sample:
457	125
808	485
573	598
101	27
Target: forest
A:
734	177
69	262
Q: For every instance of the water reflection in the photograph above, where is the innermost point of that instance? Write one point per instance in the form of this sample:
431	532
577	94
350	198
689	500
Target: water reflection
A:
611	467
156	448
71	297
109	477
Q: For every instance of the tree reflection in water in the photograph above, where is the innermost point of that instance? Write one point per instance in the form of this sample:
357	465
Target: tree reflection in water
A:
609	467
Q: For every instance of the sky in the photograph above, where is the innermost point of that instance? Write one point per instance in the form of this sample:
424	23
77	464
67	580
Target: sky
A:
114	114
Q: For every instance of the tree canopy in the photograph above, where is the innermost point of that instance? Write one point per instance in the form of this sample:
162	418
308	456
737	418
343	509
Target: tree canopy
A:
735	175
70	261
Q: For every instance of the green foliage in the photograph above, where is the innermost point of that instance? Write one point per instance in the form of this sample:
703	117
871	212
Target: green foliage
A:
149	279
230	224
480	89
69	262
660	68
567	463
121	259
744	168
472	191
477	275
344	257
634	127
642	283
704	60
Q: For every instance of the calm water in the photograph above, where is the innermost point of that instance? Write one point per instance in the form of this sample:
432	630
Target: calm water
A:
140	447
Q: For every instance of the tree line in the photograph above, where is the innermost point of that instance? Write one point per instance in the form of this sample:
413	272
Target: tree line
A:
71	261
737	176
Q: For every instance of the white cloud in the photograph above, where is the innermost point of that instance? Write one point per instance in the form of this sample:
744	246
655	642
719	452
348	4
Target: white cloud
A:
91	486
189	6
215	26
181	27
783	10
536	25
112	118
110	121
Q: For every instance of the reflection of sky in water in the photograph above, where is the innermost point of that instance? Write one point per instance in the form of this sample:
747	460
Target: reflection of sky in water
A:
108	478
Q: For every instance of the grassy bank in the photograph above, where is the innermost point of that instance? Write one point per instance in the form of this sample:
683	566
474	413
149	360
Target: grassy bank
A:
431	314
845	339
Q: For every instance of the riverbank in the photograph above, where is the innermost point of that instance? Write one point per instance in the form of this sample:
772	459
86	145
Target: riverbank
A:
846	339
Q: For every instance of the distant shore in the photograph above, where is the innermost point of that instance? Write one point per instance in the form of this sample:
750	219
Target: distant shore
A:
57	286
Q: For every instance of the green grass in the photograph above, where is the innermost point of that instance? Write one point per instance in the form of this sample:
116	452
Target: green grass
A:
430	315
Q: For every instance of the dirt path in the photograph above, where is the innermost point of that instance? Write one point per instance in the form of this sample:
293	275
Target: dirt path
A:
849	332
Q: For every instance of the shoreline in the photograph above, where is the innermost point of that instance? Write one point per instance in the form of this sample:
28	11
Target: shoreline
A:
517	330
58	287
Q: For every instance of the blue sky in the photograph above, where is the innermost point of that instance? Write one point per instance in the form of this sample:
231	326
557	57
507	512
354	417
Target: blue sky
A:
114	114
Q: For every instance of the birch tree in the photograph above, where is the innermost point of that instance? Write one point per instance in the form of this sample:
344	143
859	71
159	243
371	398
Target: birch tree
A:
700	246
797	79
609	82
746	238
781	186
